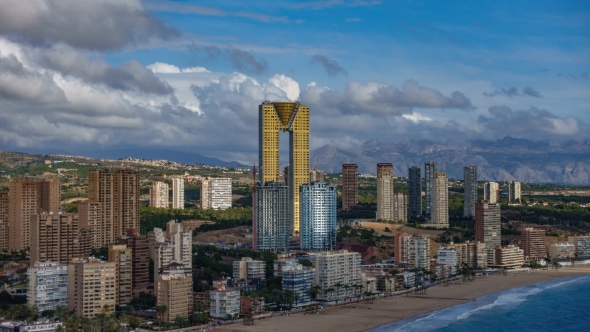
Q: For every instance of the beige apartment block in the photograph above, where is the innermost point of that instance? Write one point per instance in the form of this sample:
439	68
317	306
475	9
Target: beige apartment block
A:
491	192
122	257
533	242
508	257
175	291
488	227
91	286
90	214
247	268
562	250
334	267
117	191
385	203
350	186
140	260
25	199
440	200
58	237
400	207
401	247
159	194
216	193
581	245
3	220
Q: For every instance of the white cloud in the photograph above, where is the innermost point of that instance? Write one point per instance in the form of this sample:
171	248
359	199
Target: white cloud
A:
163	68
287	84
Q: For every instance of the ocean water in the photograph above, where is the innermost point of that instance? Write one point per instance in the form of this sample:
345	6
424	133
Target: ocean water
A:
558	305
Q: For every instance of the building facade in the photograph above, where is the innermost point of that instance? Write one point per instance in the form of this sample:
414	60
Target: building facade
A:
514	192
448	256
172	245
533	242
91	287
299	280
470	195
491	192
401	248
415	191
224	303
122	257
581	245
316	175
90	214
4	220
350	186
248	269
159	195
25	199
508	257
293	117
58	237
488	227
272	224
400	205
430	170
174	289
178	193
385	204
318	220
139	246
562	250
48	285
337	267
419	251
439	200
216	193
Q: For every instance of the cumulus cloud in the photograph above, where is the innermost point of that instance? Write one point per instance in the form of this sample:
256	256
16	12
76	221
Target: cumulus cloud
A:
240	59
331	66
165	68
91	24
513	92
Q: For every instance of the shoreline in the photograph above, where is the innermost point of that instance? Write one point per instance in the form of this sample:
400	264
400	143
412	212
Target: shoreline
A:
391	310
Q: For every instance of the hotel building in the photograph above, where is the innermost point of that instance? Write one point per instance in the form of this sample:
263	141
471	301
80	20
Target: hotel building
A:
439	200
122	257
430	170
337	267
491	192
508	257
581	245
248	269
514	192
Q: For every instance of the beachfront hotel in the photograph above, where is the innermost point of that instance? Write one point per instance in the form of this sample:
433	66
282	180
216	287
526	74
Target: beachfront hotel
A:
508	257
337	267
448	256
533	243
224	301
562	250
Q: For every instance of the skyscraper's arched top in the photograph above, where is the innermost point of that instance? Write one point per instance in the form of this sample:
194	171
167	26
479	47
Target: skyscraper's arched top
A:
286	112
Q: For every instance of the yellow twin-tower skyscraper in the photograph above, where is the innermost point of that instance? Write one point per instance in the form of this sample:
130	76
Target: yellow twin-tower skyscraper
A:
294	118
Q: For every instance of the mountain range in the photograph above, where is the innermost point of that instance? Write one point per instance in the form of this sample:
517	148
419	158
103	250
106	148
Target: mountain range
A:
502	160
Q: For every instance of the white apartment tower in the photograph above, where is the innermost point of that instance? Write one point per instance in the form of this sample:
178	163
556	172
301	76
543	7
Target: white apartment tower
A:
335	267
178	193
159	195
216	193
440	200
173	245
491	192
48	285
419	252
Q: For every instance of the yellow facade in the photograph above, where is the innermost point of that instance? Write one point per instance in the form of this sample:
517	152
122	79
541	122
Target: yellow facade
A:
294	118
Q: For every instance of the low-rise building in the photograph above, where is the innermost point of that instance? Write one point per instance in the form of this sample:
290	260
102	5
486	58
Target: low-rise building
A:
48	285
508	257
224	302
448	256
251	305
409	279
40	326
562	250
581	245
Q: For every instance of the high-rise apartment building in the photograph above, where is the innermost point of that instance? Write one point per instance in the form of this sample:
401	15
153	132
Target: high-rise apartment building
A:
173	245
159	195
415	191
299	280
337	267
401	248
350	186
581	245
122	257
178	193
491	192
216	193
91	286
90	214
430	169
419	251
470	194
293	117
533	242
48	285
174	289
224	302
318	220
488	227
400	207
140	260
272	222
248	269
3	220
58	237
439	200
514	192
316	175
25	199
448	256
117	195
385	204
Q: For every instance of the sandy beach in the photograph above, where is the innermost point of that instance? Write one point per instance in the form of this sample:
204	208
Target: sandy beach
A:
388	310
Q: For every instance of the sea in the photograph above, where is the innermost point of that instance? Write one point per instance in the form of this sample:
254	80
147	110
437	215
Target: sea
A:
557	305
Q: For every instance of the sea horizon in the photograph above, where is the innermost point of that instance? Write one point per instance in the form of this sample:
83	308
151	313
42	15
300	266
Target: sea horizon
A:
522	308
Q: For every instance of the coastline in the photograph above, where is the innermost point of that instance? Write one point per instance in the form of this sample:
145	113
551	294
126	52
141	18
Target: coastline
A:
387	311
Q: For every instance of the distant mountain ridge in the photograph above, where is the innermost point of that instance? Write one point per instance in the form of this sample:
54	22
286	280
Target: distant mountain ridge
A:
502	160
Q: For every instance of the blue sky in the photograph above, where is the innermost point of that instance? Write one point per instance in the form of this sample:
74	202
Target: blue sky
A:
391	70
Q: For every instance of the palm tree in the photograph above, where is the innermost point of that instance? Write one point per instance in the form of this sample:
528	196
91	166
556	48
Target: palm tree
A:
346	288
330	290
338	285
314	291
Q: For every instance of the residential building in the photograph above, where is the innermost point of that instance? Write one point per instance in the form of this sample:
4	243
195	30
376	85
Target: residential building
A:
172	245
139	246
48	285
272	224
224	302
299	280
415	191
430	170
400	207
316	175
25	199
178	193
117	195
58	237
491	192
293	117
248	269
174	289
419	251
122	257
581	245
216	193
318	220
337	267
409	279
385	203
562	250
533	242
514	192
488	227
439	202
401	248
470	194
477	255
39	326
90	216
3	220
448	256
508	257
159	194
350	186
91	286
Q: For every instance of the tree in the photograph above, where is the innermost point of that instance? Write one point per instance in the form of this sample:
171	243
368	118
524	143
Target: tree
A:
315	291
338	285
49	313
